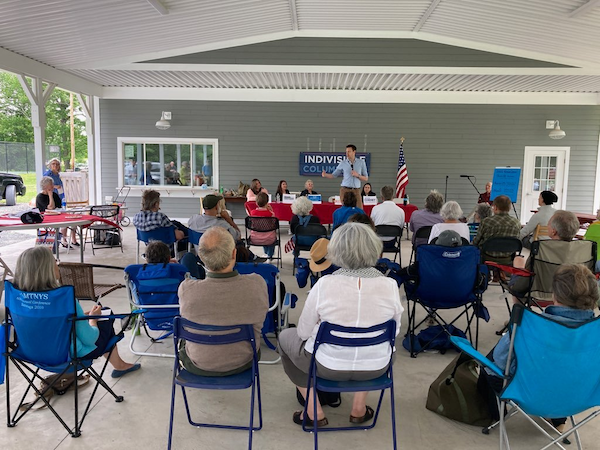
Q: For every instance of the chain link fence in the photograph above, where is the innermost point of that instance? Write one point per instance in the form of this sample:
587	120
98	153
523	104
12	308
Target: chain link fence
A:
17	157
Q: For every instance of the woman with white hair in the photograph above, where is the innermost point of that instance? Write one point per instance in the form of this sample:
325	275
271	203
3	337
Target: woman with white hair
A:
356	295
48	199
301	208
37	271
451	212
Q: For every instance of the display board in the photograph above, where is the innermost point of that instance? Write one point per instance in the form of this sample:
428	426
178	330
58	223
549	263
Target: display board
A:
506	182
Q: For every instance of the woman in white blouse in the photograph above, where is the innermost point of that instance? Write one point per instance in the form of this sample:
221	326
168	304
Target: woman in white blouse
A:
541	217
451	213
356	295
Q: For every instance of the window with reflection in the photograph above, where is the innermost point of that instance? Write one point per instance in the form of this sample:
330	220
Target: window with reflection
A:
187	163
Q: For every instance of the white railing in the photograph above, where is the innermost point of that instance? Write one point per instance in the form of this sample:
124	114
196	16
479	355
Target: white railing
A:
76	186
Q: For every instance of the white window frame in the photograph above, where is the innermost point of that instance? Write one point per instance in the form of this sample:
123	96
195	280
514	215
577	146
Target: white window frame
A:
172	190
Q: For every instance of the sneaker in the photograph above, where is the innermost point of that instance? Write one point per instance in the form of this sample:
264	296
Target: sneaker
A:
259	260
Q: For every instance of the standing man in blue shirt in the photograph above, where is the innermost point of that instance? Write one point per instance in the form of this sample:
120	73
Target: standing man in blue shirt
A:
353	171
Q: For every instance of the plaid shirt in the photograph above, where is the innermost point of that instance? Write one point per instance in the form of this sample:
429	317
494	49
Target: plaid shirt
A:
499	225
149	220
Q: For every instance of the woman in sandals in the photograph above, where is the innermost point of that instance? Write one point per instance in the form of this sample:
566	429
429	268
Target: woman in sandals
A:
37	271
356	295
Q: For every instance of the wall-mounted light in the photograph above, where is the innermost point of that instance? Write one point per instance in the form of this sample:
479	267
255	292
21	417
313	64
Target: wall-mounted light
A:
163	123
556	132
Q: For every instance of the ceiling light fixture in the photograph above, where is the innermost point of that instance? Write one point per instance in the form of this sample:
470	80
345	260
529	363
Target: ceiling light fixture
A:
556	132
163	123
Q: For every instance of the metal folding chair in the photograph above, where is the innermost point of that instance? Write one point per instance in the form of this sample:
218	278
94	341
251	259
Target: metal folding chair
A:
352	337
306	236
264	225
391	231
421	233
81	277
104	235
215	335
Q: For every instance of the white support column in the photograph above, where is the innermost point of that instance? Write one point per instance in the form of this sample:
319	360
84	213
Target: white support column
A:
38	96
95	164
87	103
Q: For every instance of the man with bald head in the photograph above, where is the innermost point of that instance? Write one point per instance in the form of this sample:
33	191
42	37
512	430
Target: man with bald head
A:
224	297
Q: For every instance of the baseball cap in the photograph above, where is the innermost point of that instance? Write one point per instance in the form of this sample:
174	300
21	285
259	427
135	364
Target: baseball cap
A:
210	201
449	238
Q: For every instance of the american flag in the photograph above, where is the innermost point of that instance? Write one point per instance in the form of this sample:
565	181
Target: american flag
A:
402	175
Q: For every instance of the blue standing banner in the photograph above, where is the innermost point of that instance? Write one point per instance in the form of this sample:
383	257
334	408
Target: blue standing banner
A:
506	182
313	163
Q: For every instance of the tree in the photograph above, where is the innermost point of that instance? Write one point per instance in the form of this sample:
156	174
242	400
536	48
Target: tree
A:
15	119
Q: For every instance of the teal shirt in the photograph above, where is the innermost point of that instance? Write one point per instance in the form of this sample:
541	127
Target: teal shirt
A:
87	335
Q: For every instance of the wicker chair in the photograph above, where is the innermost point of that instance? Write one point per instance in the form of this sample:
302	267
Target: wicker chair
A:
81	276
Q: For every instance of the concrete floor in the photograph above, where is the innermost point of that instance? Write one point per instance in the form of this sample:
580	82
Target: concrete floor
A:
141	421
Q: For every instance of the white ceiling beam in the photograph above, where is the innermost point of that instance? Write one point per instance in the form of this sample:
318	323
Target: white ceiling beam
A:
294	14
584	8
426	15
11	62
285	68
429	37
158	6
347	96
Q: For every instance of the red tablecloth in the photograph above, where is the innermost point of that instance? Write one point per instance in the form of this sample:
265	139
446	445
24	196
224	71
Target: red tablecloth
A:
63	219
324	211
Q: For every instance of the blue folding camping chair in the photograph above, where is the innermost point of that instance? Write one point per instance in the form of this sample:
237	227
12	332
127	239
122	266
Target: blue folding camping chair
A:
215	335
164	234
556	373
447	278
152	291
193	239
40	332
352	337
277	315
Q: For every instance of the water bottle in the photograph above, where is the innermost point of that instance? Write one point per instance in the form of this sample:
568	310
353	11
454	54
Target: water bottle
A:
405	202
64	204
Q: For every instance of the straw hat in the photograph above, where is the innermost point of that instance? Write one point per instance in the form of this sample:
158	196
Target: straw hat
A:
318	256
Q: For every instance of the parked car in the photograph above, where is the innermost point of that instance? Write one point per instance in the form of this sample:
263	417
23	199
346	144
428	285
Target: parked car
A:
11	185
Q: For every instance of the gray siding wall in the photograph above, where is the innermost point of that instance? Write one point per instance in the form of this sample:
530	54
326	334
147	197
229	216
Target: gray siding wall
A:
262	140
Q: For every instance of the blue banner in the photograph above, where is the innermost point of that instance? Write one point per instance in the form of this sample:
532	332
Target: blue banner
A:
313	163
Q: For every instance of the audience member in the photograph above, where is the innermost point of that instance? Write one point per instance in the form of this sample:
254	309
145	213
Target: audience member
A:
357	295
47	198
340	215
282	188
264	238
575	297
541	217
255	188
37	271
158	252
150	218
499	225
426	217
54	173
210	218
451	213
362	218
388	213
562	226
223	298
308	189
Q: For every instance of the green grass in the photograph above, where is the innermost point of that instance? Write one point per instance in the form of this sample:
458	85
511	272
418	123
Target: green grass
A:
30	184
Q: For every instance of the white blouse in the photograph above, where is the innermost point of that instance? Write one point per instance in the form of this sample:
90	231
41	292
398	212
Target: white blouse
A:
350	301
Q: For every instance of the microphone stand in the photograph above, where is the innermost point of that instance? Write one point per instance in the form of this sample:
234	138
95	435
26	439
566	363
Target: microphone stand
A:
471	181
446	190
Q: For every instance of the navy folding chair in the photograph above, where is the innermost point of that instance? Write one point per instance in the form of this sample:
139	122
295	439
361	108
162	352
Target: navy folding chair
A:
277	315
421	233
193	239
40	332
215	335
164	234
447	278
556	372
152	291
352	337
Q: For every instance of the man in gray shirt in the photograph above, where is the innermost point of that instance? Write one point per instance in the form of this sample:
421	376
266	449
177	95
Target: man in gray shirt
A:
202	222
353	171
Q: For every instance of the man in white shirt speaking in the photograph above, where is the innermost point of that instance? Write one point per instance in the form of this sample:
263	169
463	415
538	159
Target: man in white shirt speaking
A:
387	213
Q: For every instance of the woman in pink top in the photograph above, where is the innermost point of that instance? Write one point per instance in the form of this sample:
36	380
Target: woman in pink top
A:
255	189
266	238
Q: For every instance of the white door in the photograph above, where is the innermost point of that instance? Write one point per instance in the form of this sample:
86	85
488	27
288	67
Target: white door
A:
544	169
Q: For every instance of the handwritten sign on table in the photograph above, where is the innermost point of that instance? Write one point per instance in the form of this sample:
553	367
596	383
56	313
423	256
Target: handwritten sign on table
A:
506	182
